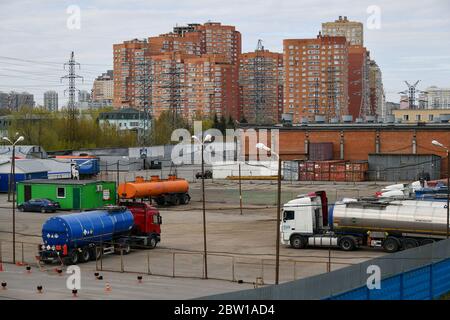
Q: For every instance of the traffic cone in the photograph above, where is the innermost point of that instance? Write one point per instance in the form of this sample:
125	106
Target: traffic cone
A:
108	287
139	278
28	269
4	285
39	288
74	292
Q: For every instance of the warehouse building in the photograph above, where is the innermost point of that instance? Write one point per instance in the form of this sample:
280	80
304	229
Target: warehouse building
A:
25	170
355	142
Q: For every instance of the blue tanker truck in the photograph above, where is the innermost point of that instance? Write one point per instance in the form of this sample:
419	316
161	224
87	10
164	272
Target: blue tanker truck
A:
84	236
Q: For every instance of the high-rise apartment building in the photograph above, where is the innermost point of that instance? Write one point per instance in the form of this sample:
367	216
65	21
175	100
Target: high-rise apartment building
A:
192	86
437	98
352	30
4	100
128	65
377	96
261	86
146	69
84	96
51	100
358	82
315	77
103	89
15	100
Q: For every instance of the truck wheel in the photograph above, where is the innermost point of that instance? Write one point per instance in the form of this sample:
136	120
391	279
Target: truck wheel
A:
126	248
298	242
184	199
43	210
95	253
152	243
73	257
347	243
391	245
176	201
424	242
85	255
409	243
160	201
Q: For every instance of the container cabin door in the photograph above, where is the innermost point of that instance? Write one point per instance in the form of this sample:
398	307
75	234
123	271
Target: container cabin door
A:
27	192
76	198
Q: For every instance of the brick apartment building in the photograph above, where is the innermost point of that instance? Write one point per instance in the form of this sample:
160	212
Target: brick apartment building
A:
316	77
162	61
128	57
358	82
261	86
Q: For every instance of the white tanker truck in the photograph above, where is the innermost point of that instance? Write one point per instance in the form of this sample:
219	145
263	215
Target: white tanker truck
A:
348	224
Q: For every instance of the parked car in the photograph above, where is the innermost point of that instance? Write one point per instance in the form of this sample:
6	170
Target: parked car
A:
39	205
208	175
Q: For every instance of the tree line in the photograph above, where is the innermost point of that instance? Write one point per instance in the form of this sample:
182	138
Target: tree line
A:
50	129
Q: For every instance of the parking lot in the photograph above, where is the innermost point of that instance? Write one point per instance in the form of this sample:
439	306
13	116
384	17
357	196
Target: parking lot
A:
240	247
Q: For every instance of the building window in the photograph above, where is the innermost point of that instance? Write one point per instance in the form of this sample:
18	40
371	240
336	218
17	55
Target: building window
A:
418	117
430	117
61	192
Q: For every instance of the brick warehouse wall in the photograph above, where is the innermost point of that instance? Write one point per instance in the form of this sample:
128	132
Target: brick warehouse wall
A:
358	141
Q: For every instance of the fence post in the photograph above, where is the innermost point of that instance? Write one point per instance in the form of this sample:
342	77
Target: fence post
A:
232	270
96	260
203	266
295	270
262	269
148	263
173	264
101	258
121	260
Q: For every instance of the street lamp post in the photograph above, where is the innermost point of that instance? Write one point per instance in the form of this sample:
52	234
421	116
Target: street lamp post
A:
438	144
208	138
262	146
13	180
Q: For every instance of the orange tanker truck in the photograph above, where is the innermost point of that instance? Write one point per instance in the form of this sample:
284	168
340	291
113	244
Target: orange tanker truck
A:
171	191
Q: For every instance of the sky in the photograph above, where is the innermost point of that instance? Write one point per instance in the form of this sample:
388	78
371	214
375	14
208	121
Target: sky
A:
409	39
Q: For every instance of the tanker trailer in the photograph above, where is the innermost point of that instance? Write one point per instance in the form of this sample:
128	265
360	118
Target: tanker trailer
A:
171	191
348	224
84	236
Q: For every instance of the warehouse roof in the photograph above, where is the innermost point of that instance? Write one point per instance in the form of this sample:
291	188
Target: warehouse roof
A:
63	181
22	166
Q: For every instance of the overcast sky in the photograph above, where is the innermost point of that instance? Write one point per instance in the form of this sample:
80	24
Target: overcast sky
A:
412	43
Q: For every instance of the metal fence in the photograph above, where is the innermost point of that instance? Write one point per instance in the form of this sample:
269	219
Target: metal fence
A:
186	264
236	268
419	273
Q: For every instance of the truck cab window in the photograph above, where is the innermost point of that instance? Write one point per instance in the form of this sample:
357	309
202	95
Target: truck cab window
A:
289	215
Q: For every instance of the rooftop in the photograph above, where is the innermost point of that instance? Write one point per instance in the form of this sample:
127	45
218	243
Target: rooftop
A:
126	113
62	181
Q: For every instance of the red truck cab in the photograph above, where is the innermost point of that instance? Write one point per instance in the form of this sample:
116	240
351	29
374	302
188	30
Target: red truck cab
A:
147	220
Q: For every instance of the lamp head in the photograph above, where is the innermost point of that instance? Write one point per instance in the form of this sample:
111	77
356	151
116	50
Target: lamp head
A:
437	143
208	138
21	138
7	139
262	146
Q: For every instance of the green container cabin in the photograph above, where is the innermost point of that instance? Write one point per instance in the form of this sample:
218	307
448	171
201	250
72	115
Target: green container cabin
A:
71	194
